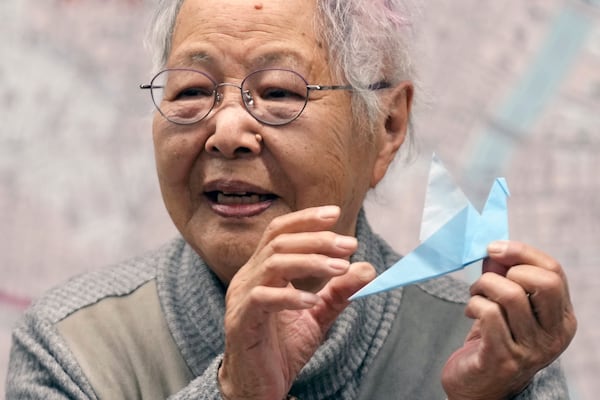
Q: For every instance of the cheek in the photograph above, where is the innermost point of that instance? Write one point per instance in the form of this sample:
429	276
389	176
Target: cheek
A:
176	151
346	163
319	166
325	176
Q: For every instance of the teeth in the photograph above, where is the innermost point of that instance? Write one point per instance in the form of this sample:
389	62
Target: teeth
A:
238	198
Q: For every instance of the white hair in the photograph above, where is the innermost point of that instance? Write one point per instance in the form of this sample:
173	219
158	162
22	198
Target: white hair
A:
369	41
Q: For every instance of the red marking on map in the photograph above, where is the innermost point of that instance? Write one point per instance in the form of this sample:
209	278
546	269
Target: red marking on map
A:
14	301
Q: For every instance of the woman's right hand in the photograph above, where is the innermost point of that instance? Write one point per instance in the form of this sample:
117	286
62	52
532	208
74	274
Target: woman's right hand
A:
272	328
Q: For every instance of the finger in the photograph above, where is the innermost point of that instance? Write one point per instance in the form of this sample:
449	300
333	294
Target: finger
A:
311	219
505	254
514	302
496	339
265	299
300	256
280	269
337	291
509	253
547	294
325	242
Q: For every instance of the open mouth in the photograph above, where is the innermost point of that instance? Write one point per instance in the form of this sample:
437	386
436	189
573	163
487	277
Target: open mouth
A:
239	204
238	198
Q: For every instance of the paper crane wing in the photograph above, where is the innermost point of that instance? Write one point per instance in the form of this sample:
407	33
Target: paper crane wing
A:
459	240
443	199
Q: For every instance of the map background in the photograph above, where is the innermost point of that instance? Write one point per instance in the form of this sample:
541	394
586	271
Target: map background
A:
508	88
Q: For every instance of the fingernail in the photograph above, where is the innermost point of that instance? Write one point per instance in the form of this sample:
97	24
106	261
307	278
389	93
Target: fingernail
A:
338	264
346	242
497	247
328	212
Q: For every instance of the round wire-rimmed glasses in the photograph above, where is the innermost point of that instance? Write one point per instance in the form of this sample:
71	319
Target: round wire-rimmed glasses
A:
272	96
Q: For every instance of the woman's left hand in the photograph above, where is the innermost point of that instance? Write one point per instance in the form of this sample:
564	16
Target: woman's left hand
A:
523	321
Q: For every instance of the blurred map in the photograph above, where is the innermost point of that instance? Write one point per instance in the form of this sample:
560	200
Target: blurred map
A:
507	88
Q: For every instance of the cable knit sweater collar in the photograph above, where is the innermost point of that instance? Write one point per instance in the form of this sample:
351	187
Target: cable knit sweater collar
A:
193	301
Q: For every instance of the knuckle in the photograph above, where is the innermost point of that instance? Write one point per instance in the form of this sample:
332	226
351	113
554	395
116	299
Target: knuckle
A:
487	278
255	296
275	226
517	270
323	241
271	228
557	346
571	324
553	343
328	238
512	366
554	266
517	247
550	347
550	284
489	310
315	260
270	265
277	244
512	295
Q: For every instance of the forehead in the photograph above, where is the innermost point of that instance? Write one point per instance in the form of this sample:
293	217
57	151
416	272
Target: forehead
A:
259	33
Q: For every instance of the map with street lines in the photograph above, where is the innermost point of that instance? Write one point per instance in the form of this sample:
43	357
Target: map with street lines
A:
507	88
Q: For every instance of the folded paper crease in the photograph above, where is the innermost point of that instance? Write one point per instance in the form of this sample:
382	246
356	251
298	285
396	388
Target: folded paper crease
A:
453	233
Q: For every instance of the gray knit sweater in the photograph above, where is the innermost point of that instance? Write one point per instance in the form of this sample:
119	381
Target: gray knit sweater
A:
152	328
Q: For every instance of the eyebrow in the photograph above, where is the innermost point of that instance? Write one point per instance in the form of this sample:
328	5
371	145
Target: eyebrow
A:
200	58
290	59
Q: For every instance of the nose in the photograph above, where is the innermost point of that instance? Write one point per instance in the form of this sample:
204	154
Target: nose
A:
234	129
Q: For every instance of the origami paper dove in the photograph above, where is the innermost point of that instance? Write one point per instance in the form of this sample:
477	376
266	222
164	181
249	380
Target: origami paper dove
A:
453	234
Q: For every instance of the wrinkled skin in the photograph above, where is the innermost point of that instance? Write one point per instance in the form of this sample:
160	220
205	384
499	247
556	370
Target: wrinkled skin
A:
272	329
523	320
281	231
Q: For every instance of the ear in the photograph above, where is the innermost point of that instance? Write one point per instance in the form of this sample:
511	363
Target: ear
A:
394	130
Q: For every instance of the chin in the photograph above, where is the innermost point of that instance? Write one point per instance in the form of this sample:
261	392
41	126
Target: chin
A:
226	256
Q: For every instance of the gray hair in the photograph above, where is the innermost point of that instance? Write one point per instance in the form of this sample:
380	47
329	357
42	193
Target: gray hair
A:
368	40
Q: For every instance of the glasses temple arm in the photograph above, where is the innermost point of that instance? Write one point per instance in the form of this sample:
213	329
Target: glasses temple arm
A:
146	86
372	86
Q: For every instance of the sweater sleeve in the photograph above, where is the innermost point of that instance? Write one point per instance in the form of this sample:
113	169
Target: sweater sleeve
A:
548	384
203	387
41	366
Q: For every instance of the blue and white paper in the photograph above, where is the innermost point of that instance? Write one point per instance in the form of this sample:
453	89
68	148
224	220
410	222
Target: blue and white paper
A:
453	233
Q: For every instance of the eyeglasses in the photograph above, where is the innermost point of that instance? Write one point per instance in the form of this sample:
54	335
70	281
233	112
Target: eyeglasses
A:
272	96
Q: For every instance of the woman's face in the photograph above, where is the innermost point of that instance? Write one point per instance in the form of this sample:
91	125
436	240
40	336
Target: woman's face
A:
221	185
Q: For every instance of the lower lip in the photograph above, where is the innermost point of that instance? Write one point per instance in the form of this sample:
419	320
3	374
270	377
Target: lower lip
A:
240	210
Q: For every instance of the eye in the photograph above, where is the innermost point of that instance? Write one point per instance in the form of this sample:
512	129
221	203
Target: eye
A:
282	94
194	93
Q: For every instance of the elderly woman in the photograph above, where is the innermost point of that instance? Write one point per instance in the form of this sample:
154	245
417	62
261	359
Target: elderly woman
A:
274	120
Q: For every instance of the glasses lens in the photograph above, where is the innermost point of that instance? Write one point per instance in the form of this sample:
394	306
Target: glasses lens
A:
274	96
183	96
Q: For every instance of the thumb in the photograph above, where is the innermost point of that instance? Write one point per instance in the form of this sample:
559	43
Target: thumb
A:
335	294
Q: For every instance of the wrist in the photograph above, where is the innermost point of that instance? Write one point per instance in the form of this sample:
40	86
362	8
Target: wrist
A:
221	383
225	389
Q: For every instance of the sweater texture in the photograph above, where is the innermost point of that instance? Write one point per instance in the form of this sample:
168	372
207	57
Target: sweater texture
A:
52	358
